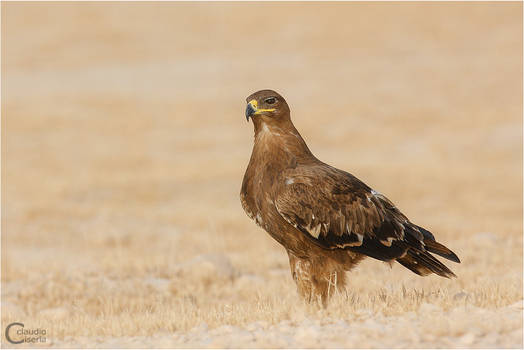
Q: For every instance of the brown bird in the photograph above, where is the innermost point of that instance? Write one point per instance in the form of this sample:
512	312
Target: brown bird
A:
326	218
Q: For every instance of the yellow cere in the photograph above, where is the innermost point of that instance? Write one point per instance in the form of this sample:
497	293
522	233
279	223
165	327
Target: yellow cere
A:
254	104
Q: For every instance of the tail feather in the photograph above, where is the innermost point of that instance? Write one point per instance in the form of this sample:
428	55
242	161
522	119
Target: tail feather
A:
423	263
435	247
439	249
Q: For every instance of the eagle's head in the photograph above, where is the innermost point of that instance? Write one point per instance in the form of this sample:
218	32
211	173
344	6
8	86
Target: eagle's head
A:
266	106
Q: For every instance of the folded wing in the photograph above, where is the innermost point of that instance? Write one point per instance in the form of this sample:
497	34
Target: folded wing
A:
337	211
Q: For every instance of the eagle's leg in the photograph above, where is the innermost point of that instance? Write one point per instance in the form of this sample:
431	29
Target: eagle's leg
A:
317	278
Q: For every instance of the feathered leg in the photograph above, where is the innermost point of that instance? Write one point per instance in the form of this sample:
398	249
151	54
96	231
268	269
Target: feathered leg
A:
317	278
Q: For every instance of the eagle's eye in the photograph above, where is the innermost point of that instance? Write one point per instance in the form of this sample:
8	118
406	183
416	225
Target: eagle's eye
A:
270	100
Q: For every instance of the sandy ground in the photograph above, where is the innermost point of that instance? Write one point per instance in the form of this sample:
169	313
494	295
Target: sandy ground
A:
124	146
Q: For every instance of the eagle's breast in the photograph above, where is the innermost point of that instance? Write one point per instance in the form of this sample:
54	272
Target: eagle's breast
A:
270	158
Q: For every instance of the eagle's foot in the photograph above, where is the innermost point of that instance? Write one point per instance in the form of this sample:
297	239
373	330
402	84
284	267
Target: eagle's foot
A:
317	279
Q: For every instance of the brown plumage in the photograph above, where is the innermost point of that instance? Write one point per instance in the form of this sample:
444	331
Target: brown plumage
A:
326	218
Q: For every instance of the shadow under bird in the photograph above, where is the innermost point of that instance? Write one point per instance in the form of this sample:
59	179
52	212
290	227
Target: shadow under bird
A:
326	218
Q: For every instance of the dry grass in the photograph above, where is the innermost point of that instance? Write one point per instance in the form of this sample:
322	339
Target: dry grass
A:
125	145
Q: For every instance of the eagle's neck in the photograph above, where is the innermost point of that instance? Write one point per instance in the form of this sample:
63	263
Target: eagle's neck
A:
280	144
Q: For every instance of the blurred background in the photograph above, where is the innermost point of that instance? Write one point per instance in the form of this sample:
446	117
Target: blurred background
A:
125	144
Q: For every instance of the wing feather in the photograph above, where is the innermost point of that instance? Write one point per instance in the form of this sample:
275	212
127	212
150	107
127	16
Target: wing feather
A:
336	210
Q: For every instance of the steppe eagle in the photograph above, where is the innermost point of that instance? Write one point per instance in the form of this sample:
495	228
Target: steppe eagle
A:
326	218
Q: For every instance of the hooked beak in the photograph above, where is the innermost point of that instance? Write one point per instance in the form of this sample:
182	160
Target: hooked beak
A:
251	109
